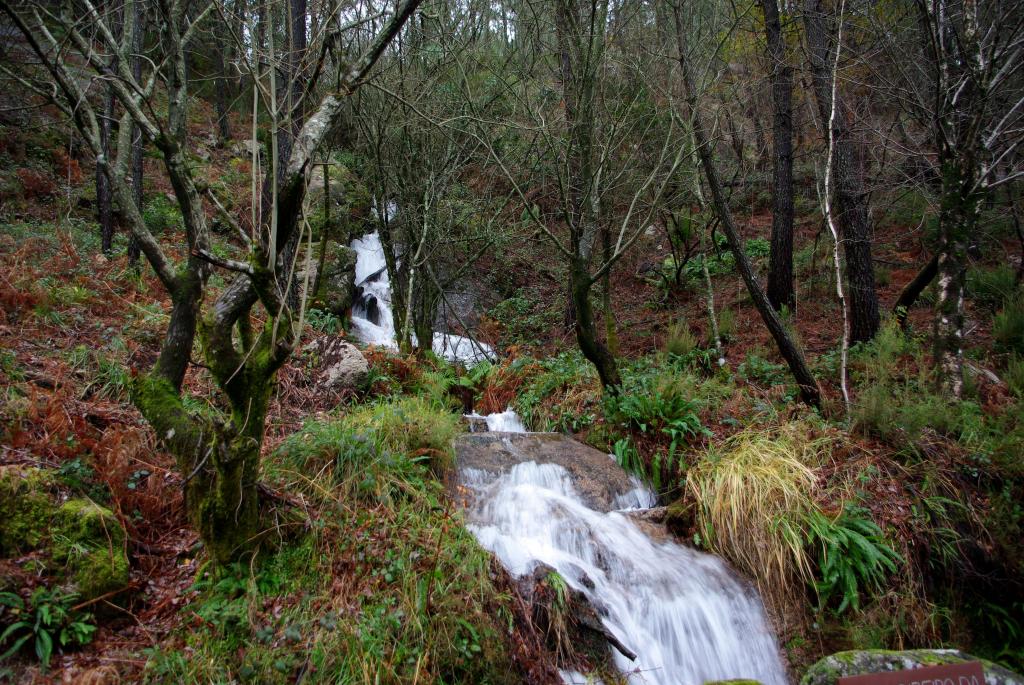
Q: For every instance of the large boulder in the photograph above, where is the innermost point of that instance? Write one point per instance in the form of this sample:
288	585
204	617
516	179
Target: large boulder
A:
337	364
79	542
603	485
829	670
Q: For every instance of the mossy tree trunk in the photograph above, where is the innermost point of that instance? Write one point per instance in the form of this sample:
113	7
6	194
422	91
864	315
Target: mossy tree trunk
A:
218	455
958	218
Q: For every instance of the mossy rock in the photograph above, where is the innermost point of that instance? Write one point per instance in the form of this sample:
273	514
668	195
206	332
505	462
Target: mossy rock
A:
829	670
84	543
26	508
90	542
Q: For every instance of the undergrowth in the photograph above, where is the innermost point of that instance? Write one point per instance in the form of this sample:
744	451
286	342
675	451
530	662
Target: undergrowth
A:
382	585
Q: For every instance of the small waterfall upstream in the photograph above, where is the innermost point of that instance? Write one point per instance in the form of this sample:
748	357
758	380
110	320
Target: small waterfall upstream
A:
372	320
684	613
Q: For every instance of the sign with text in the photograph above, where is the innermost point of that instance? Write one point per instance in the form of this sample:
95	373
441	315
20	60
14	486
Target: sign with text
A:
968	673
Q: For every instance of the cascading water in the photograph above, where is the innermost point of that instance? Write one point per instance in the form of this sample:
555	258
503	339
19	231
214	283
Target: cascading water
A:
372	321
684	613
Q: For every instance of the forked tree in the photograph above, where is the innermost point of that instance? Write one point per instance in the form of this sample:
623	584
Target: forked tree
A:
247	331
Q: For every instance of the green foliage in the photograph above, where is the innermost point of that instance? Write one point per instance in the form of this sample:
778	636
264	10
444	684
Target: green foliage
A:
757	369
561	395
727	324
680	340
45	621
1008	326
161	214
757	248
108	377
896	399
654	402
851	555
382	584
523	318
1014	375
752	496
377	441
324	321
991	288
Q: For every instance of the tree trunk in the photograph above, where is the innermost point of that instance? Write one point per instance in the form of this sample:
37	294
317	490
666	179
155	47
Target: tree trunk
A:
851	200
809	390
104	196
138	35
586	331
958	218
221	85
611	336
780	262
911	291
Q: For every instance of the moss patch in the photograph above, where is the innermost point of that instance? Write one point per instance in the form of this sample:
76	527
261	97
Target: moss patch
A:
89	541
26	508
83	543
829	670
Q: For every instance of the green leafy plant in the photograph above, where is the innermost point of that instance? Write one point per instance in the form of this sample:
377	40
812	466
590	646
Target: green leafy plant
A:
324	321
992	287
758	369
46	620
852	556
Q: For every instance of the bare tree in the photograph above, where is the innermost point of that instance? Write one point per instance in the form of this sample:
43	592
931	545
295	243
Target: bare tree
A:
975	54
780	289
851	198
790	351
219	456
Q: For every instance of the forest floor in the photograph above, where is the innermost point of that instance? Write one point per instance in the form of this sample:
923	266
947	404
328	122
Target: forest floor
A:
72	320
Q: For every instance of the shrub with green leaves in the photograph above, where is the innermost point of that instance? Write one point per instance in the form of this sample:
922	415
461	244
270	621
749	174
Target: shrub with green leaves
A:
559	394
324	321
851	554
44	622
760	370
161	214
653	401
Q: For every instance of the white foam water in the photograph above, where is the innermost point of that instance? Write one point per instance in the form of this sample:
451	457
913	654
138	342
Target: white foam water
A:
372	319
685	614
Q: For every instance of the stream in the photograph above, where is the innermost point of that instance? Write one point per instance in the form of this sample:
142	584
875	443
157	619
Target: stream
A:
686	614
372	317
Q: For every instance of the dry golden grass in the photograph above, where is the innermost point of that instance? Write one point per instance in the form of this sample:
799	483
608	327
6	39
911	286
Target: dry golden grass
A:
752	496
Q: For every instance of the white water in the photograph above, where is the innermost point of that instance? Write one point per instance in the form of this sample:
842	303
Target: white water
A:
684	613
507	421
372	321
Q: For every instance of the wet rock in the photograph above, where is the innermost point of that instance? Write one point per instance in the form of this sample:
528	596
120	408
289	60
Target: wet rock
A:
829	670
83	544
337	363
597	478
569	620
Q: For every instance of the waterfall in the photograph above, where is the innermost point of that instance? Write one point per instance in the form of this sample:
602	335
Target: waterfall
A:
372	319
685	613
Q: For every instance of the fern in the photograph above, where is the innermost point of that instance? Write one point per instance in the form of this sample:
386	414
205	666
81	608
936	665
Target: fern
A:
852	556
